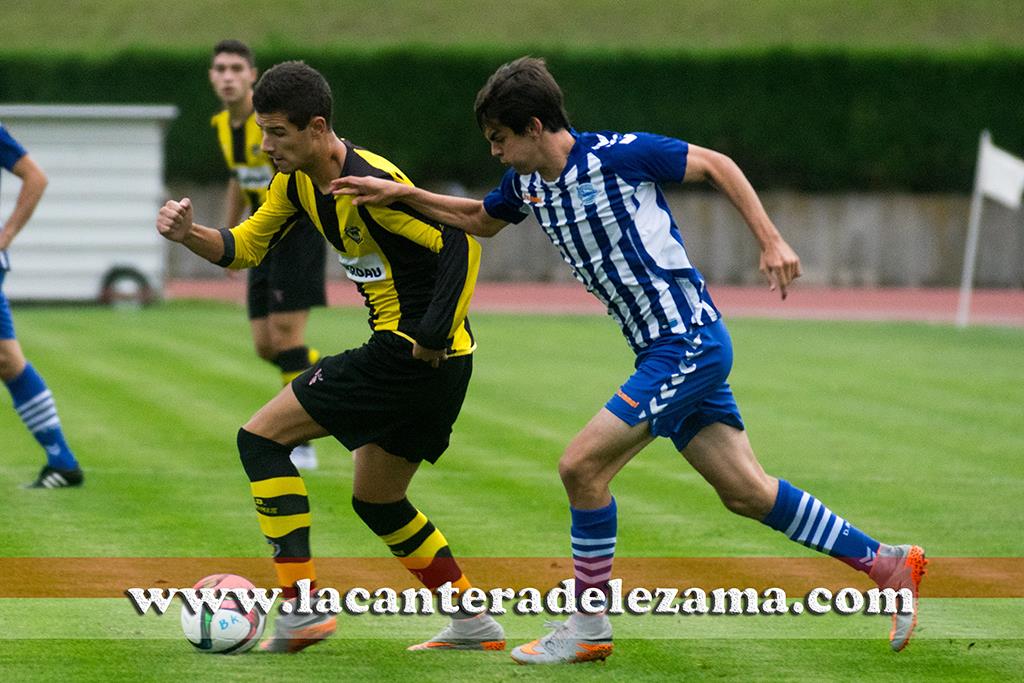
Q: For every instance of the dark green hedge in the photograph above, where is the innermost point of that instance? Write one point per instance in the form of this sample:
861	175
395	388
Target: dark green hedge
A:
813	120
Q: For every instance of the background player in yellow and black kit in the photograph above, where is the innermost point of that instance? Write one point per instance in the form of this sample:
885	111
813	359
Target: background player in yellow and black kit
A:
392	401
290	281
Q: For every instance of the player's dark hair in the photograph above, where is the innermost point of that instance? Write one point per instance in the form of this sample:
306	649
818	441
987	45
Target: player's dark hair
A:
294	89
517	92
235	47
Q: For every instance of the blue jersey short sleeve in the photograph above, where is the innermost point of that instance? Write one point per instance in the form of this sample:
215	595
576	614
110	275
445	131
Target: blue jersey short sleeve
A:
645	157
504	202
10	150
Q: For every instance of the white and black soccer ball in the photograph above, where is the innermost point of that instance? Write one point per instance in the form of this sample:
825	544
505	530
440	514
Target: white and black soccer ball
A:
228	630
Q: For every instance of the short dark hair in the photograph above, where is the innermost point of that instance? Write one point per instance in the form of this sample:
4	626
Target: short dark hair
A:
235	47
294	89
517	92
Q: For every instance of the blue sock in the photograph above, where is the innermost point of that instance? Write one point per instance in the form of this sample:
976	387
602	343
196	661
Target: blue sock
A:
593	547
805	520
36	408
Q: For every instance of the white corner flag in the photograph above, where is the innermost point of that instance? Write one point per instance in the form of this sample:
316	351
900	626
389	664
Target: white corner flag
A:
999	175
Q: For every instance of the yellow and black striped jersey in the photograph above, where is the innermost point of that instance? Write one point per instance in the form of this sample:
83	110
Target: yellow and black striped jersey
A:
242	154
416	275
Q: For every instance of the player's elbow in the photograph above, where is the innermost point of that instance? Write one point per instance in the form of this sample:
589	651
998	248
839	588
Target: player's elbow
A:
722	169
480	230
37	181
484	226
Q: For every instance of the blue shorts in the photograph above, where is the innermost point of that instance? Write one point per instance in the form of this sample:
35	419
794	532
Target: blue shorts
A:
6	322
680	385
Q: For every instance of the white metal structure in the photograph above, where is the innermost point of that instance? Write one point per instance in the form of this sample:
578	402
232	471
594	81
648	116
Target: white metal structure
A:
94	224
1000	176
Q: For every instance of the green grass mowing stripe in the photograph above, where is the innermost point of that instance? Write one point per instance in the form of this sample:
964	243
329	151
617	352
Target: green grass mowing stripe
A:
939	618
651	660
96	26
102	639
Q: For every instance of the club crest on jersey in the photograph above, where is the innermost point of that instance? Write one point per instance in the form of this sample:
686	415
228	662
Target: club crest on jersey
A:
255	150
587	193
354	233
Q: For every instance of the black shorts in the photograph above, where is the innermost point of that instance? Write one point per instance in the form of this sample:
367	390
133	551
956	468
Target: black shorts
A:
378	393
291	277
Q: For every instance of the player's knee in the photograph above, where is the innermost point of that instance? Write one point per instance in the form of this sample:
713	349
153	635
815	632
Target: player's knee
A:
754	502
577	474
284	334
8	368
263	458
11	362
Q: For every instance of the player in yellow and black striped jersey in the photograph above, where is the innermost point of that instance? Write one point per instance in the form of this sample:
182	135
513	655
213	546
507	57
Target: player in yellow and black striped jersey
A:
283	288
415	274
250	168
392	401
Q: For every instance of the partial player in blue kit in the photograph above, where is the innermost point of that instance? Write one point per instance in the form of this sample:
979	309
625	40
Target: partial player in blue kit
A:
599	199
32	398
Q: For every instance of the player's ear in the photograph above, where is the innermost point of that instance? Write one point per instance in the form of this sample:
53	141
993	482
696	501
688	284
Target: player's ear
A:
534	128
318	125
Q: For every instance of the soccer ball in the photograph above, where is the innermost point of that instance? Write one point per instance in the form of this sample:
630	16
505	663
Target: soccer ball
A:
228	630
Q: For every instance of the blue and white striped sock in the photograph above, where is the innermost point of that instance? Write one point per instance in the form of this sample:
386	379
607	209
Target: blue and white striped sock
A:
37	409
804	519
593	547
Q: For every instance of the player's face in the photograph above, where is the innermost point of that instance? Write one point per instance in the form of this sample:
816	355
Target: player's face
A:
289	148
232	77
521	152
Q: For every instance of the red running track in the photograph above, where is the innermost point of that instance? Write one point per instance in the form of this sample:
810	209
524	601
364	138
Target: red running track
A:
939	305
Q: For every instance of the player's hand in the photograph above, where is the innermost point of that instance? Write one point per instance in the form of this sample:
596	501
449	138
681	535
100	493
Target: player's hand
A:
366	190
432	356
780	265
174	221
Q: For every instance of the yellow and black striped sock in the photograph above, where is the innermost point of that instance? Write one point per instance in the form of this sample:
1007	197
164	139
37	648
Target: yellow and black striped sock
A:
282	507
294	361
414	540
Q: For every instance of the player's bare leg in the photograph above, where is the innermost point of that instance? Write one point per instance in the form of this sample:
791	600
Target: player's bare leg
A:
284	420
12	359
590	462
723	456
596	454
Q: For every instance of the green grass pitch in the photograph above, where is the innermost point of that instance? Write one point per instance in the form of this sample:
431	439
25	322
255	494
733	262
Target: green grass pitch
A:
104	26
913	432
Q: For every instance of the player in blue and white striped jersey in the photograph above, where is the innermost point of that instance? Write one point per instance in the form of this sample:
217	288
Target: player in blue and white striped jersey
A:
606	213
598	197
32	398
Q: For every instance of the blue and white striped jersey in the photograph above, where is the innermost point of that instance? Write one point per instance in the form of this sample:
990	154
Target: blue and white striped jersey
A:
609	219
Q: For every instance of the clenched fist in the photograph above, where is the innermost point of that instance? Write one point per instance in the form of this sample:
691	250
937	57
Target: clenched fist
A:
175	220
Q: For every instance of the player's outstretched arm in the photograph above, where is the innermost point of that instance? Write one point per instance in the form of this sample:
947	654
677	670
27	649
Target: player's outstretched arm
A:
463	213
779	262
174	222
